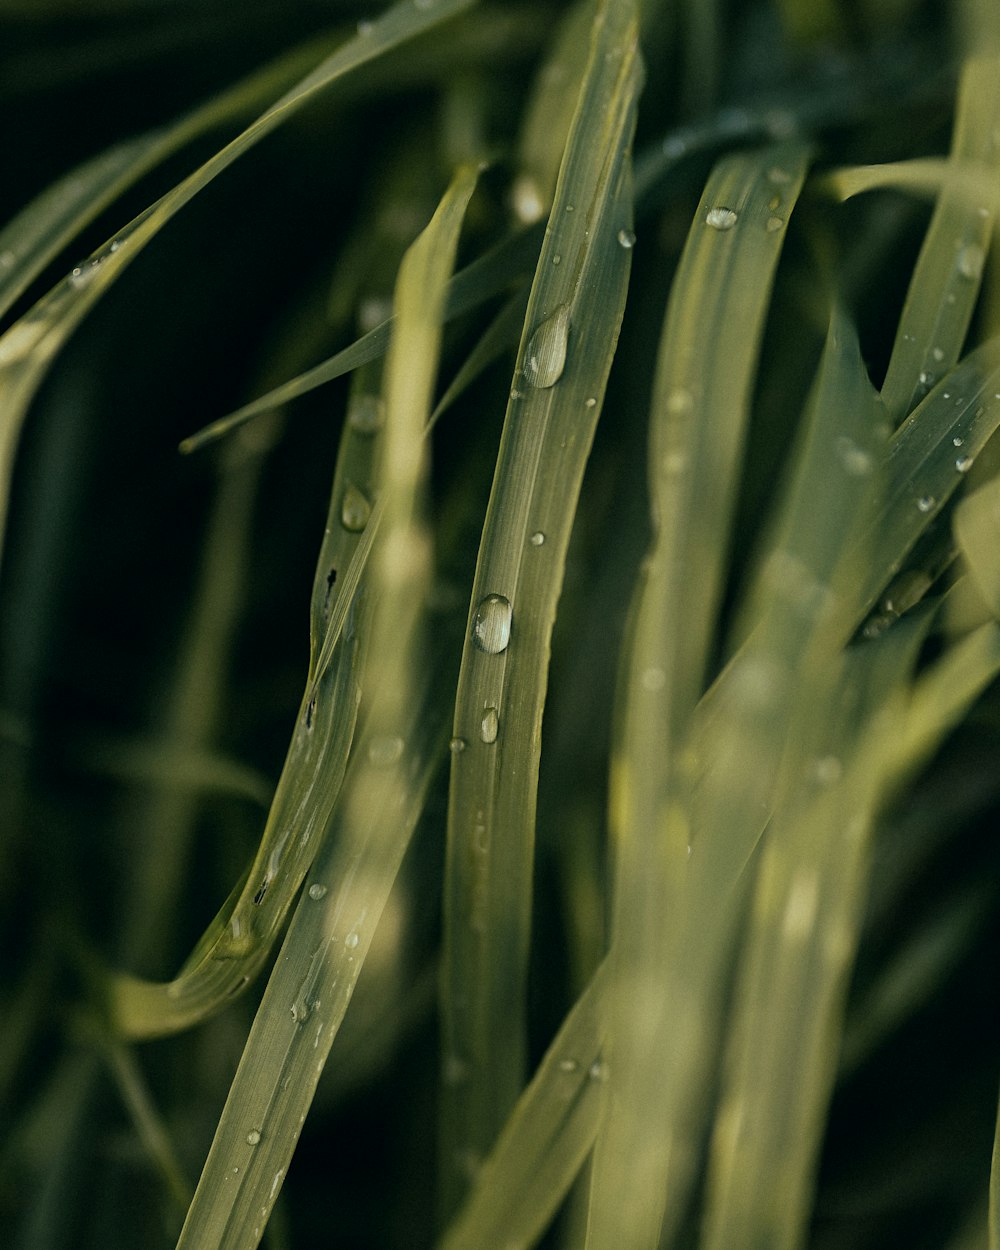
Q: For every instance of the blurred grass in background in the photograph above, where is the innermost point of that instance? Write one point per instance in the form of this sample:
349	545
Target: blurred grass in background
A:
574	825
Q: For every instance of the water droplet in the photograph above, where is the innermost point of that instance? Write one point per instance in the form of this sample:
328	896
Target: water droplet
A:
856	461
354	510
317	891
774	224
590	403
253	1137
778	175
925	379
679	402
457	745
373	311
351	941
938	354
598	1070
963	464
385	750
926	502
721	218
653	679
365	28
956	441
568	1065
537	539
557	259
491	624
970	262
366	414
526	199
490	726
626	238
545	356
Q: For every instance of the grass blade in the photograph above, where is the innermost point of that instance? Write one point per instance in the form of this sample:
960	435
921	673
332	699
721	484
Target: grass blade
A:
945	282
329	937
574	313
700	410
977	533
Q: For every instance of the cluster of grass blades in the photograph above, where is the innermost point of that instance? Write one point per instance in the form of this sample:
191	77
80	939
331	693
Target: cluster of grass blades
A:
600	774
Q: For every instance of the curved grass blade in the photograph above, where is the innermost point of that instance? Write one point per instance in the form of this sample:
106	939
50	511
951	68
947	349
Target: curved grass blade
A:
925	176
478	282
946	279
54	218
330	934
977	533
29	346
700	411
545	1140
571	328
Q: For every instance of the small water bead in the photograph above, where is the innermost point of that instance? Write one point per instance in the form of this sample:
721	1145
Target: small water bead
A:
938	354
385	750
373	311
537	539
679	402
568	1065
492	624
351	941
355	510
545	357
626	239
956	441
366	414
557	259
526	199
925	503
856	461
598	1070
963	464
721	218
317	891
365	28
774	224
490	726
778	175
253	1137
590	403
970	262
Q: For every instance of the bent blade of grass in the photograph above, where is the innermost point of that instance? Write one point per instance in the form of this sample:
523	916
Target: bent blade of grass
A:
700	410
332	929
946	280
925	176
478	282
28	347
570	333
977	533
545	1140
55	217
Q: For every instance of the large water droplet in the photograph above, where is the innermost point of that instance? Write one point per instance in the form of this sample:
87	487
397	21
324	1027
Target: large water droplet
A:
963	464
354	510
721	218
491	624
457	745
253	1137
317	891
490	726
351	941
626	238
545	357
537	539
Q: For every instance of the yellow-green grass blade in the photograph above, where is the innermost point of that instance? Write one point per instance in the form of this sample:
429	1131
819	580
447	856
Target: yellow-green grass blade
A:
545	1140
946	279
478	282
332	929
700	410
549	114
35	237
571	329
501	335
977	533
924	176
28	347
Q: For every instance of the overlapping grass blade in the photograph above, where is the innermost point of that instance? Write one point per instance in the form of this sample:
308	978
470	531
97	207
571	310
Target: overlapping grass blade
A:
36	236
700	411
545	1140
29	346
977	532
331	931
478	282
946	280
923	176
571	329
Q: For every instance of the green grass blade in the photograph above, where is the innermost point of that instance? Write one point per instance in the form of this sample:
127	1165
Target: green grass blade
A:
946	280
977	533
35	237
478	282
28	348
332	929
571	329
545	1140
924	176
700	411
